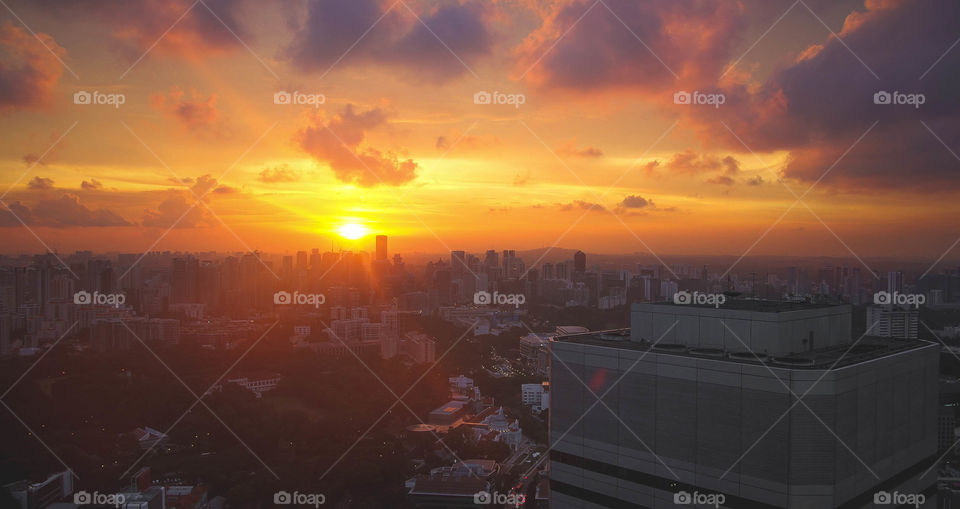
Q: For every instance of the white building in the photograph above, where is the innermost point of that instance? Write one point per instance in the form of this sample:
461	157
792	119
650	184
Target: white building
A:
536	396
893	321
461	384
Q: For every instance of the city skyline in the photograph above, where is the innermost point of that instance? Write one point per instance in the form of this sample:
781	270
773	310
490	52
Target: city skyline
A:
472	254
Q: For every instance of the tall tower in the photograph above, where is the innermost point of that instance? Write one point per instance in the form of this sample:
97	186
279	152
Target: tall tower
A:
381	247
579	262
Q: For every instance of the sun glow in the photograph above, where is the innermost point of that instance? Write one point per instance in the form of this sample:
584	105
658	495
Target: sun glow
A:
352	231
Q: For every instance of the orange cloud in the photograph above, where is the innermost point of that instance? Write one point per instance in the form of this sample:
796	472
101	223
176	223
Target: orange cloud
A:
195	113
337	143
28	71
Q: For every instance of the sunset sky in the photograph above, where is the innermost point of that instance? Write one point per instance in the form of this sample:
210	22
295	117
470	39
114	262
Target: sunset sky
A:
598	157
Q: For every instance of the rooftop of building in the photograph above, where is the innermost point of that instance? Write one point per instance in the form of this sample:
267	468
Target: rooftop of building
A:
867	348
752	304
450	408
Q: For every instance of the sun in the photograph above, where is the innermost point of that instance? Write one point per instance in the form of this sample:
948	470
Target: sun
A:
352	231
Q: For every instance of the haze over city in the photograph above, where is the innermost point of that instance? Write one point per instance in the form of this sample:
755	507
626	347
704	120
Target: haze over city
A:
479	253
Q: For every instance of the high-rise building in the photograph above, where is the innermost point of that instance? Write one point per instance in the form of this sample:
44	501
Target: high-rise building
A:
301	260
381	247
891	321
894	281
761	402
547	271
579	262
458	263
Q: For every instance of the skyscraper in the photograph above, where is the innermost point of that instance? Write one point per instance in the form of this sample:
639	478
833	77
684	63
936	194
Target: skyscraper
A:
458	263
690	409
579	262
381	247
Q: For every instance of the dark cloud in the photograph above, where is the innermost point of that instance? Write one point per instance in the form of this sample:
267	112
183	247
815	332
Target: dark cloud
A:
180	202
580	204
755	181
28	71
40	183
337	143
67	211
135	27
819	105
173	209
399	40
693	38
195	113
690	162
635	202
281	173
93	185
